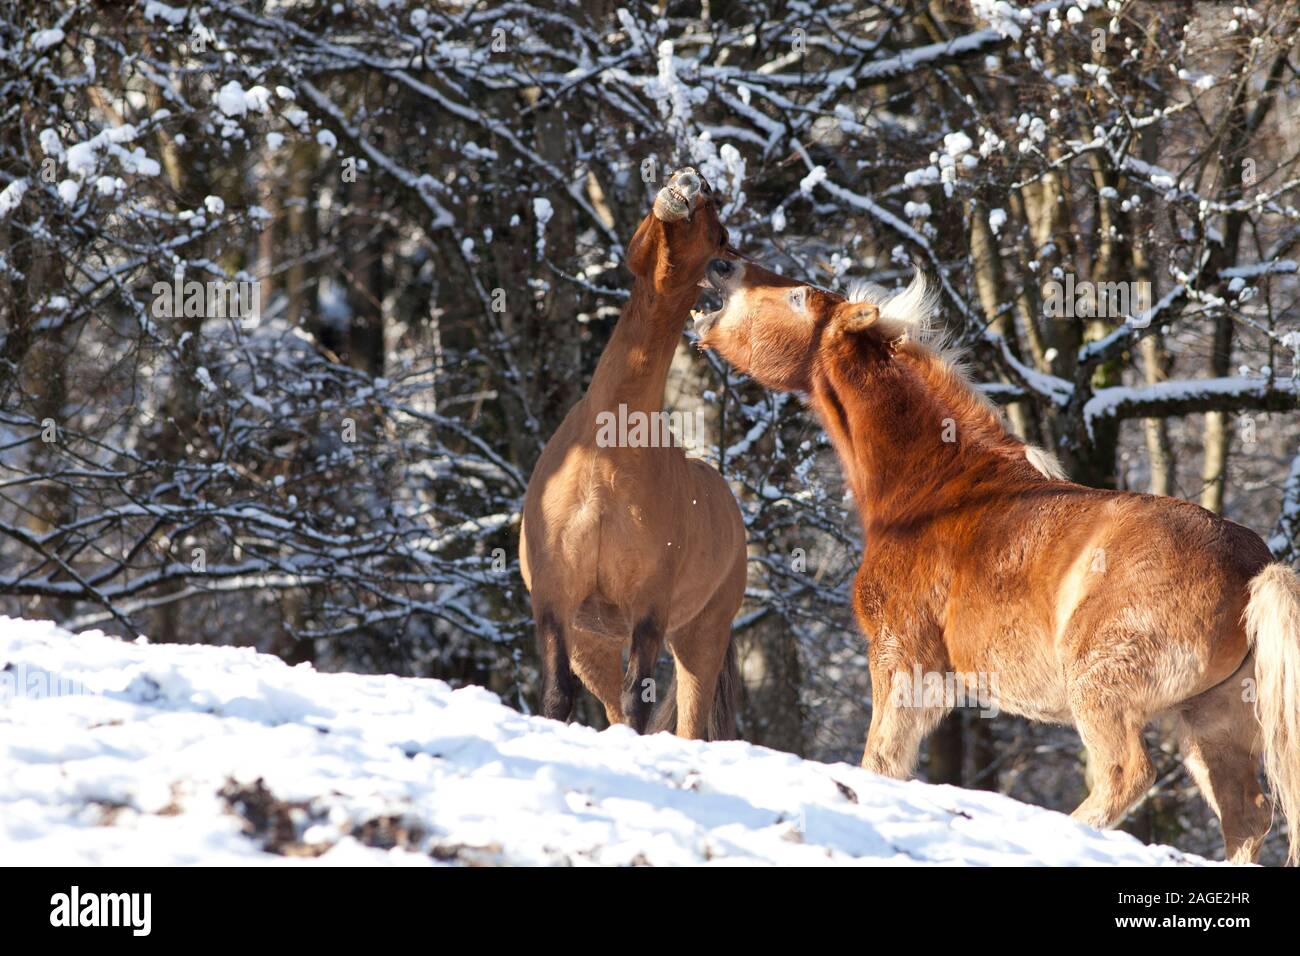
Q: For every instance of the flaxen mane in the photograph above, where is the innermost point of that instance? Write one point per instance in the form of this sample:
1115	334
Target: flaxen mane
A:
909	316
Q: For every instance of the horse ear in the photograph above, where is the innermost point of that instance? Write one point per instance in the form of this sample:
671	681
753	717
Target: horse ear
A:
866	316
863	317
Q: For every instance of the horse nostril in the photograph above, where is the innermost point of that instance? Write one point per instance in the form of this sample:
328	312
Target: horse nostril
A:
721	268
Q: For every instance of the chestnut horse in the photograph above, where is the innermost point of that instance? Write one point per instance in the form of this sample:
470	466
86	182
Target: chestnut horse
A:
1095	608
624	547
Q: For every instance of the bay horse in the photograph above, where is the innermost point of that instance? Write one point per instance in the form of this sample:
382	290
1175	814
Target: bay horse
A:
630	544
1095	608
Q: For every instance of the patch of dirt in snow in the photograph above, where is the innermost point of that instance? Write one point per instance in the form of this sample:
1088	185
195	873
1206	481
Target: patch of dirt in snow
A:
277	825
464	855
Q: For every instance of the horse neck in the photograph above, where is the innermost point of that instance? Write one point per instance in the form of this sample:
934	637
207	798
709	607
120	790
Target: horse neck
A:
887	416
633	369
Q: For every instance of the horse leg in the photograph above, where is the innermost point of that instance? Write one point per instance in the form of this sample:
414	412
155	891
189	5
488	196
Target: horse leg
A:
900	720
638	683
1220	740
598	662
559	688
699	655
1112	733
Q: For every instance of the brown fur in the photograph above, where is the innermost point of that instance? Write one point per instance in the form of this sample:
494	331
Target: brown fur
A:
1095	608
629	548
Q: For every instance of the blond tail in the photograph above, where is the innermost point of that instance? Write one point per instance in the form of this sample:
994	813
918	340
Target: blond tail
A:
1273	626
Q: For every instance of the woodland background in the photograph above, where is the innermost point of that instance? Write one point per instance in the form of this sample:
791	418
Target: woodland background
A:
435	200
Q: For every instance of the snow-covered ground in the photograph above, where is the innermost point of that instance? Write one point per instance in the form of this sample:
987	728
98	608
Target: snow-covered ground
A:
130	753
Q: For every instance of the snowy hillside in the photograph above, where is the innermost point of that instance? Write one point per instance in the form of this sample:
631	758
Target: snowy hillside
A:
114	752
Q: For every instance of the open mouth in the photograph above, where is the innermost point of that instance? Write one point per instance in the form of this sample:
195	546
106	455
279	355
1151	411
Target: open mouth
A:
710	306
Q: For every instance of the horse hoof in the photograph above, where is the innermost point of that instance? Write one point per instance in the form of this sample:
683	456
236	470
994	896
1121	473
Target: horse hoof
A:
681	197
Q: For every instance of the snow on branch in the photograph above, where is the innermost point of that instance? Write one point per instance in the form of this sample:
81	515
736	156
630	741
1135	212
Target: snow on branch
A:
1285	540
1191	397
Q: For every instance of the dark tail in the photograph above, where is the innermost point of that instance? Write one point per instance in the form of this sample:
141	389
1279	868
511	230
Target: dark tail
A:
726	702
664	716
